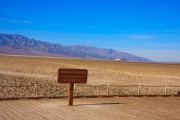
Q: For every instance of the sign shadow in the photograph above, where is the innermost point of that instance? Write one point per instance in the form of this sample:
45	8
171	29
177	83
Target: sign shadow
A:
106	103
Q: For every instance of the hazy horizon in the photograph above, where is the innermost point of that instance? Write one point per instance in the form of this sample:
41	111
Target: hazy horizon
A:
147	29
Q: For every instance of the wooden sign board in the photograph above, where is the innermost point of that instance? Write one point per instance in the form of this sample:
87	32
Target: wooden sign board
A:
72	75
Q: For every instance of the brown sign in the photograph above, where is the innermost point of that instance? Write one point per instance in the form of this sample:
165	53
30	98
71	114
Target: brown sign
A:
72	75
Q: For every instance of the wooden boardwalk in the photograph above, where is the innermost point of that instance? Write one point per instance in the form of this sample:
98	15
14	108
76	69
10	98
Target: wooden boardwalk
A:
113	108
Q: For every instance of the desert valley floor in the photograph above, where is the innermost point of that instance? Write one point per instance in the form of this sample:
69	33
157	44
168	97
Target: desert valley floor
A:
99	72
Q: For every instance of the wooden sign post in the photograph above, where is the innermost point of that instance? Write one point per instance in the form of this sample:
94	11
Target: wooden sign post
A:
72	76
70	94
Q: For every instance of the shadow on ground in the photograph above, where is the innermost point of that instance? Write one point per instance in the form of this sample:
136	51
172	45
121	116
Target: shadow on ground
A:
106	103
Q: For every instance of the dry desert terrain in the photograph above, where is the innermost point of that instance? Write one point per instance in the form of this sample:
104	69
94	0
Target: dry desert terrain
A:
28	75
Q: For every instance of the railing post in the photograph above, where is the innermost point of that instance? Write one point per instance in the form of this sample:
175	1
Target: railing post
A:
35	90
16	91
74	89
139	89
166	90
108	89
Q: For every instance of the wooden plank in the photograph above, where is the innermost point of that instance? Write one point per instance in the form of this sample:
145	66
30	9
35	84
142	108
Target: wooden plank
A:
19	112
41	110
11	112
93	108
28	111
4	115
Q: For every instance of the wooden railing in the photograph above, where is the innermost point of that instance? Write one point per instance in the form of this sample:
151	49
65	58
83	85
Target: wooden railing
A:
83	90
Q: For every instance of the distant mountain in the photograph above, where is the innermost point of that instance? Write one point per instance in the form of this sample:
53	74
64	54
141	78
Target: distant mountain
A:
20	45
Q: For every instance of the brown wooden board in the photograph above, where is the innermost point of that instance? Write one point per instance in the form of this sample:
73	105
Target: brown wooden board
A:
72	75
114	108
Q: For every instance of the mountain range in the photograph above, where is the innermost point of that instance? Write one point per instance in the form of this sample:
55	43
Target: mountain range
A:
20	45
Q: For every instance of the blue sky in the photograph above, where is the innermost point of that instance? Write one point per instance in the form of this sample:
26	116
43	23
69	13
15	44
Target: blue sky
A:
146	28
